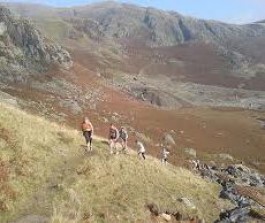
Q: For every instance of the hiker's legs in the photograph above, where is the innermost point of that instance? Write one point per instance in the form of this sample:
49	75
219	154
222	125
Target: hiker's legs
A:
115	146
141	155
111	145
90	143
88	137
124	145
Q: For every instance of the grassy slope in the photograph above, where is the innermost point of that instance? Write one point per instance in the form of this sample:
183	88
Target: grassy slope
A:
54	28
45	171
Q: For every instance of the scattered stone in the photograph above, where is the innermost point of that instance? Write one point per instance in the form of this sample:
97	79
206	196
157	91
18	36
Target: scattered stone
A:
235	215
251	193
232	179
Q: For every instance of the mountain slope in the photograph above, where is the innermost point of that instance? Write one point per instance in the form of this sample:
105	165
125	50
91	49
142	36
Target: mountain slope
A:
129	40
149	25
24	50
159	28
45	172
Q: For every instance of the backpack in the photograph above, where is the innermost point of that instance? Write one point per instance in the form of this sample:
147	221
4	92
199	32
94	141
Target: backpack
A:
113	133
123	134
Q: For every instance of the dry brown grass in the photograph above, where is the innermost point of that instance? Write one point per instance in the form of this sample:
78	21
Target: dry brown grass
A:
55	178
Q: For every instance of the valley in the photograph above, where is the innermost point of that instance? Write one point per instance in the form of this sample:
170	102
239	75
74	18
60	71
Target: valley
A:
165	77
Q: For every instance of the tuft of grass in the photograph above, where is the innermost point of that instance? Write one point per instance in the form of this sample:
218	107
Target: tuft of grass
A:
52	176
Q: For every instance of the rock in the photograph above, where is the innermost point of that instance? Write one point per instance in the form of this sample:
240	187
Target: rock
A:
32	219
255	180
234	215
166	217
191	152
231	170
243	168
25	48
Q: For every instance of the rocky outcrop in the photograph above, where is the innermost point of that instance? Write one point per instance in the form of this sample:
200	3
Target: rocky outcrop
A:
241	185
23	47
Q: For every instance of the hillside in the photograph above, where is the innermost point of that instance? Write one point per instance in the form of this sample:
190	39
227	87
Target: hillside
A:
24	51
160	28
45	172
189	91
162	76
160	46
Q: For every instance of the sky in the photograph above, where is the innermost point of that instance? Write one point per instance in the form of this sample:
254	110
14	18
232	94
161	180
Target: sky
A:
232	11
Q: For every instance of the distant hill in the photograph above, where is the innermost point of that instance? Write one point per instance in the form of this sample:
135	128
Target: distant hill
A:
151	26
112	38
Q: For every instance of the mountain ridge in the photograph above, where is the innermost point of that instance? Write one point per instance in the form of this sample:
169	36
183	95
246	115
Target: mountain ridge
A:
176	27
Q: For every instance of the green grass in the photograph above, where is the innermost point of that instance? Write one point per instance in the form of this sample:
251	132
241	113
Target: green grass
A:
49	174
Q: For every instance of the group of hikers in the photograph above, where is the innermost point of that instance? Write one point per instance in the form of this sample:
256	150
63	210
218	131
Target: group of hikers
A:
115	136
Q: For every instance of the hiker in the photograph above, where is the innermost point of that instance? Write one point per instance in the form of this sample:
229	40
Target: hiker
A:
196	164
164	155
88	130
113	138
140	149
124	138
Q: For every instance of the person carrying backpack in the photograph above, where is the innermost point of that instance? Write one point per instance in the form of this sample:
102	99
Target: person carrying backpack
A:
113	138
164	155
140	149
88	131
124	138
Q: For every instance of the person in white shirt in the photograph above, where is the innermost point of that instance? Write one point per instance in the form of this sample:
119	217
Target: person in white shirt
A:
164	155
140	149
